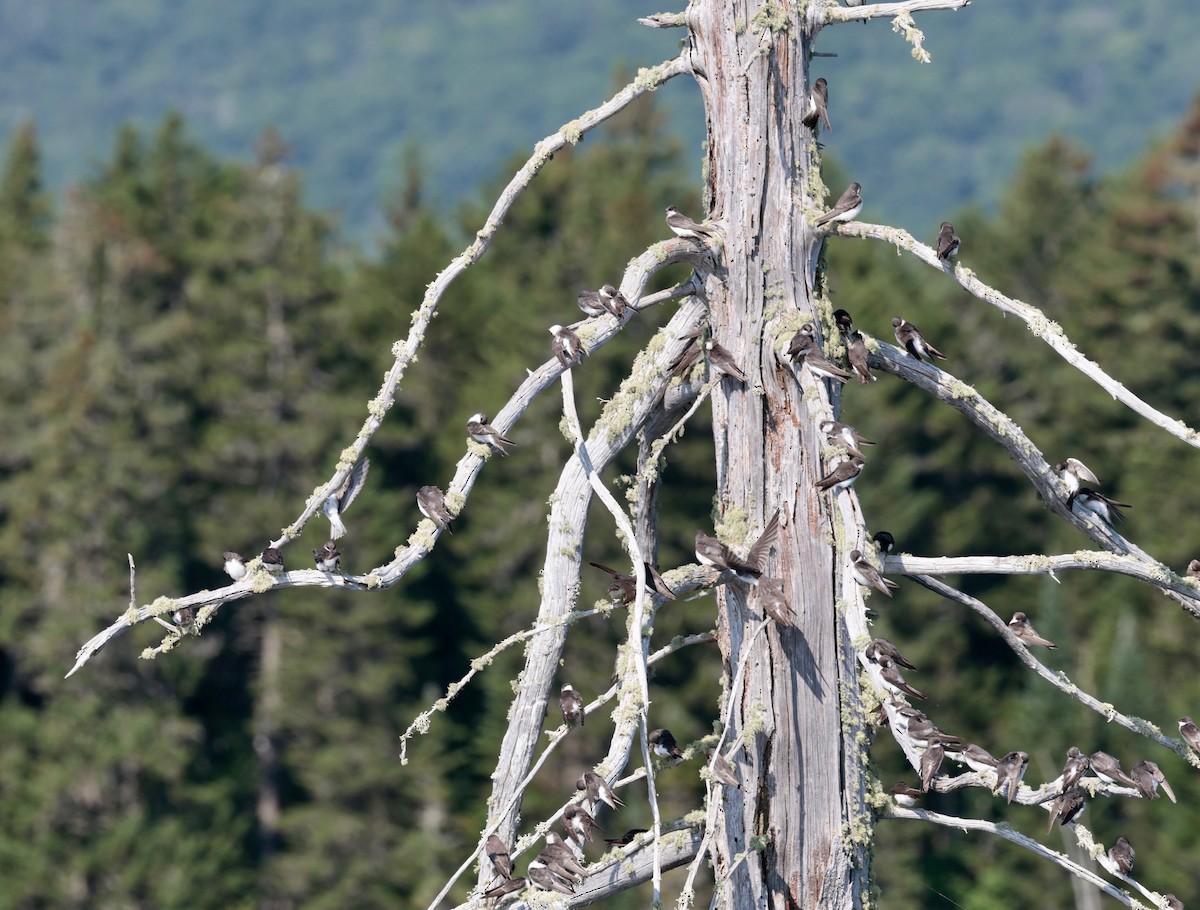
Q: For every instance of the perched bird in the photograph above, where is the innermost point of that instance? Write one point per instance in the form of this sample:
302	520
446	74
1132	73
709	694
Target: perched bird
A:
906	796
977	758
818	105
567	347
1148	776
723	770
909	337
498	854
571	703
1077	765
1072	472
337	504
687	359
272	560
711	552
947	242
1021	627
803	341
924	732
624	587
327	557
1190	733
598	791
432	503
184	616
614	302
773	601
906	714
578	823
721	360
539	873
235	566
848	206
1009	771
843	320
894	682
931	763
505	889
482	431
856	351
821	367
1193	569
627	838
843	476
663	744
884	541
1108	769
882	651
1173	903
840	434
1067	809
561	859
683	226
589	302
1121	855
868	576
1099	504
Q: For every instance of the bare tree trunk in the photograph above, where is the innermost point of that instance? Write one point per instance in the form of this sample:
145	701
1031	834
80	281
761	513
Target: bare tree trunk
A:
753	71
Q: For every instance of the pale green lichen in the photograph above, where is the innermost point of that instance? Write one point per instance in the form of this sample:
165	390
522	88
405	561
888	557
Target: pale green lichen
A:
649	78
261	580
770	17
572	132
373	581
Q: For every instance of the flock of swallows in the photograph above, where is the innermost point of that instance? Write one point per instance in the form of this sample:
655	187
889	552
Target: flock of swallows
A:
558	867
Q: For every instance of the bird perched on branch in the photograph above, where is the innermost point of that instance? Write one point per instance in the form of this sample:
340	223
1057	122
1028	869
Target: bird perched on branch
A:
711	552
272	560
624	587
856	352
1108	769
327	557
683	226
847	207
432	503
1021	627
571	703
1077	765
578	823
909	337
235	565
868	576
1120	856
1009	771
1149	777
881	651
337	504
663	744
1109	510
884	541
1067	809
1072	472
1190	733
598	790
568	349
482	431
843	476
498	854
947	242
977	758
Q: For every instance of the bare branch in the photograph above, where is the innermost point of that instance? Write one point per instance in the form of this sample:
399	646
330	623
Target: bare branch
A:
829	13
663	20
1057	679
1045	329
1001	830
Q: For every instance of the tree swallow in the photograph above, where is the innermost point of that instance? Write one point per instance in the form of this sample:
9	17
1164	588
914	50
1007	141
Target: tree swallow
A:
909	337
884	541
1193	569
856	351
844	321
567	346
843	476
272	560
327	557
721	360
561	859
1108	769
589	302
578	823
539	873
882	651
1067	809
1190	733
818	106
1109	510
614	302
978	759
821	367
1076	766
894	682
235	566
505	889
1148	776
931	763
683	226
1009	771
1072	472
868	576
801	342
627	838
498	854
848	206
663	744
624	587
773	601
184	616
1120	856
571	703
1021	627
340	501
947	242
482	431
598	790
711	552
906	796
432	503
840	434
723	771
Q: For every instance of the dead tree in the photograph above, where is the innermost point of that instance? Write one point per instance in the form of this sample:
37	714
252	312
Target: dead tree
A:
800	689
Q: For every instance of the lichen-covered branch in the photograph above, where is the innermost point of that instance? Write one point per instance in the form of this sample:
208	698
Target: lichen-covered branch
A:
1043	328
828	13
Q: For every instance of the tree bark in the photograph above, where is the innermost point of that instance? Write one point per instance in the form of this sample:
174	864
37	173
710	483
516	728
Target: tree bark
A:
751	64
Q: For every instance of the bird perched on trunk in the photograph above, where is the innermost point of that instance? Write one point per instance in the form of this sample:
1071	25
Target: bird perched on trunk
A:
432	503
571	703
947	242
821	367
568	349
723	770
498	854
1149	777
773	600
1021	627
909	337
868	576
711	552
336	505
327	557
841	434
721	360
482	431
847	207
843	476
856	351
818	105
844	321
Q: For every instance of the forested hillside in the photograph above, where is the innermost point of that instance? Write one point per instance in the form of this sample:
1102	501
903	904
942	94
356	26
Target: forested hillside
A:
349	84
184	353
